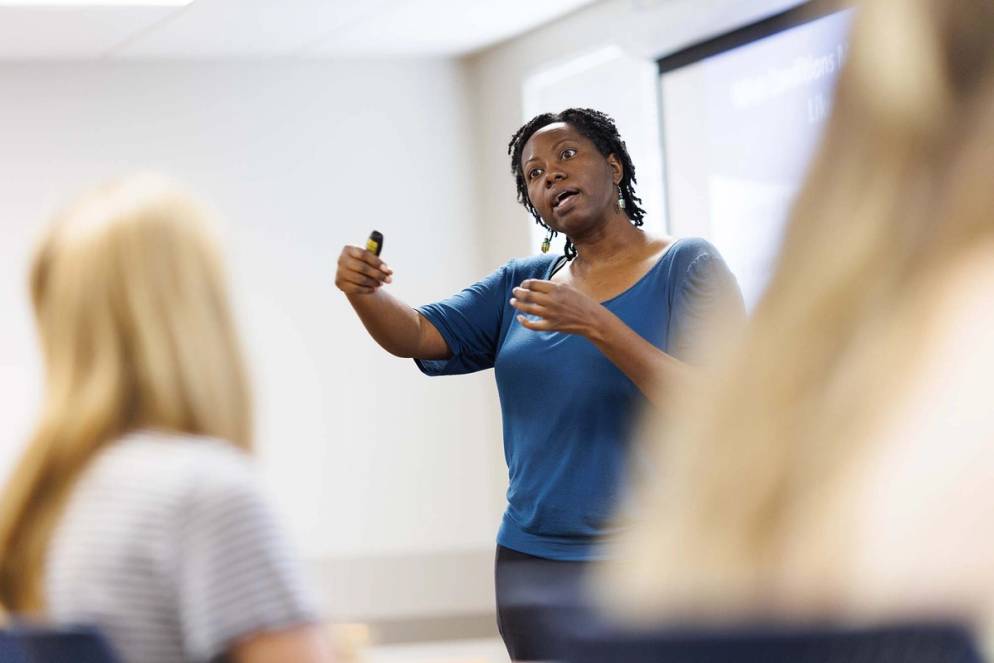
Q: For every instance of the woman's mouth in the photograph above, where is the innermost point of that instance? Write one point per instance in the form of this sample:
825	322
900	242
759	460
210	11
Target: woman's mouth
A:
565	201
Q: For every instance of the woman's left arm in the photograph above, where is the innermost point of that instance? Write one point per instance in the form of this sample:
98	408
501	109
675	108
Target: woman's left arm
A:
563	308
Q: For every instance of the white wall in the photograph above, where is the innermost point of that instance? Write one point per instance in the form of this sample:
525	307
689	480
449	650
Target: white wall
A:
365	456
369	461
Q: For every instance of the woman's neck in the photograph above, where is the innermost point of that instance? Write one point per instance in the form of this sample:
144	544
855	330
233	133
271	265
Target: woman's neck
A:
609	242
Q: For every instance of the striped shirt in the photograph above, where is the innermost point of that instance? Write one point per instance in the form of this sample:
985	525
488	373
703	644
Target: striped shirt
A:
168	547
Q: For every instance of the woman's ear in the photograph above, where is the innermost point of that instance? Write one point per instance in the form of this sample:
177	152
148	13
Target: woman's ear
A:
617	170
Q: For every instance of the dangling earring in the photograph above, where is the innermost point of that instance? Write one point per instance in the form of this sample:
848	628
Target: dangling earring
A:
621	201
547	242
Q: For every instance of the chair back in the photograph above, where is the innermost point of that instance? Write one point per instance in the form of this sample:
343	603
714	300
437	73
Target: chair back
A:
899	643
37	644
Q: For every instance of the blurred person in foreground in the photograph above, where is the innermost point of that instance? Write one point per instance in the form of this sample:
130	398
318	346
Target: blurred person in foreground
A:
134	508
840	464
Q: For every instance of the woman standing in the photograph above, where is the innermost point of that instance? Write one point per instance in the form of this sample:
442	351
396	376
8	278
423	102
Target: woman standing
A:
578	343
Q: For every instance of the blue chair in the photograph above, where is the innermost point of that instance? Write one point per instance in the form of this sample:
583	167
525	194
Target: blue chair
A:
897	643
10	649
36	644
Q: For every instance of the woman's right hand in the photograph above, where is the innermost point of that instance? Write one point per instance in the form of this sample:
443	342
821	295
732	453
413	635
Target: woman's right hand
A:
360	272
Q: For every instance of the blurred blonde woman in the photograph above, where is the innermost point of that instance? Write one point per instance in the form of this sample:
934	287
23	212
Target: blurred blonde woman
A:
841	462
134	508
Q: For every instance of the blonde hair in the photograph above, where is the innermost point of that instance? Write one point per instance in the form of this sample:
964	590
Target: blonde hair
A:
136	332
898	190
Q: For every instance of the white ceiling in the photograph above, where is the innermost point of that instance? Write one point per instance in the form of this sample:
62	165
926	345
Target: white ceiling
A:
271	28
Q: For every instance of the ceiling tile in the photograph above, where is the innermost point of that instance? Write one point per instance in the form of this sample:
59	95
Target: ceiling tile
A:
251	28
70	33
443	27
220	29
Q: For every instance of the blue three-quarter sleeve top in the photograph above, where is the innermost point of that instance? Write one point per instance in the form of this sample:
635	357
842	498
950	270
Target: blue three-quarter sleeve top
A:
568	412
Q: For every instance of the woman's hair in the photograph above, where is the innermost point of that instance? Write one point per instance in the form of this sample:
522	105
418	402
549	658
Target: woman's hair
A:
600	129
136	331
898	192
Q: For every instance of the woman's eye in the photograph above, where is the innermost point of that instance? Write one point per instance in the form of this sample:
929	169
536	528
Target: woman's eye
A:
534	172
568	153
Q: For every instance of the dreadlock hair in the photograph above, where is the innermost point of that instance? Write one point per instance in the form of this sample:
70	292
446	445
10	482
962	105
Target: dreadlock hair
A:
600	129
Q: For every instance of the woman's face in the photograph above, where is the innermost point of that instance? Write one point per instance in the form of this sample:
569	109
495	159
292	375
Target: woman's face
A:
570	183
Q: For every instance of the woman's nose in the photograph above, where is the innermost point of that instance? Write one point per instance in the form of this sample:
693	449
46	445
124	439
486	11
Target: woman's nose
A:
554	176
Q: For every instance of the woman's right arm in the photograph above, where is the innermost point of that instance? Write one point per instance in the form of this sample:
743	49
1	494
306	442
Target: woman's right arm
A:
398	328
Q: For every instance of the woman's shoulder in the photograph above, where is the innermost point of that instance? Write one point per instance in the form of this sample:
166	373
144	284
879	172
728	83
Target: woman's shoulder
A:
516	270
147	486
536	262
180	448
175	465
532	267
696	267
685	251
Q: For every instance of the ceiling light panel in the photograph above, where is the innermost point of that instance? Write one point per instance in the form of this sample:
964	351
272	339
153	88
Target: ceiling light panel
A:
82	4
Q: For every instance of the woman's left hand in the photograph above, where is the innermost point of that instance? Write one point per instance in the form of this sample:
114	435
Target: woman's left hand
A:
560	307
